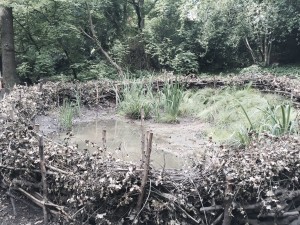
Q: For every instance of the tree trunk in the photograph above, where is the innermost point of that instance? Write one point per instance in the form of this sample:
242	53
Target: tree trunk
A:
250	50
139	10
8	49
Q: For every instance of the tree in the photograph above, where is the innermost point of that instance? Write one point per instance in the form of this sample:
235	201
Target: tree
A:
8	49
266	22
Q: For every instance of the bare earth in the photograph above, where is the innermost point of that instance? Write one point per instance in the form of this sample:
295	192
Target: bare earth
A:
27	214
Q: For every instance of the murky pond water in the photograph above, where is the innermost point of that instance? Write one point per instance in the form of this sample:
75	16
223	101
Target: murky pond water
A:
170	149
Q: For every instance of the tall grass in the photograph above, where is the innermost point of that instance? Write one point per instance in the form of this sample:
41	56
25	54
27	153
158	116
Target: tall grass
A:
279	119
233	113
172	95
163	104
68	111
66	115
136	96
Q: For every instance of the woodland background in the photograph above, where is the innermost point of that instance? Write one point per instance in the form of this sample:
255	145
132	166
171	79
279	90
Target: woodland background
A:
94	39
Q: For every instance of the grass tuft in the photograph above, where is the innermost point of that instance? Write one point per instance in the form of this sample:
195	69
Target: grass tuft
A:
135	97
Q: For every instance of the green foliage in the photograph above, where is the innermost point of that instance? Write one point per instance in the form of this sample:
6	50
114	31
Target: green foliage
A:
23	69
119	51
66	115
292	70
68	111
232	113
92	70
183	36
185	62
162	105
279	120
172	94
136	97
253	69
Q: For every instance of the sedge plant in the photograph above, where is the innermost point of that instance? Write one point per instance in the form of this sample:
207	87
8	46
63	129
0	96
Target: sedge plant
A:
68	111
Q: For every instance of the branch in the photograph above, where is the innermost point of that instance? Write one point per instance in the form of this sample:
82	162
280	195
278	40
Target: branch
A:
278	215
188	215
59	209
211	208
94	38
219	218
58	170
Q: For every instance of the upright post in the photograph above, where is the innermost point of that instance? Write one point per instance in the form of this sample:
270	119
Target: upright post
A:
44	180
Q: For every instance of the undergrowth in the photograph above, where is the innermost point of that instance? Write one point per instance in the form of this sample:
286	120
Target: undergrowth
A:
68	111
135	97
162	105
234	114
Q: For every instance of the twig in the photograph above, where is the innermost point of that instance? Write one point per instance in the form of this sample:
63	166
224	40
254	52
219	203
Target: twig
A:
211	208
200	200
188	215
22	200
12	200
58	170
41	203
25	169
79	210
219	218
26	183
286	214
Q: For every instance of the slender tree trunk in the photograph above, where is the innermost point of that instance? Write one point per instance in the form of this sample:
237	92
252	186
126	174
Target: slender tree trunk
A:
250	50
267	50
269	53
8	49
140	13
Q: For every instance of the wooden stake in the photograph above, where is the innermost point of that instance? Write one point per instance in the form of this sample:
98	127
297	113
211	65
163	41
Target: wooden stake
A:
142	137
12	200
44	180
41	85
145	173
228	201
37	127
104	139
97	94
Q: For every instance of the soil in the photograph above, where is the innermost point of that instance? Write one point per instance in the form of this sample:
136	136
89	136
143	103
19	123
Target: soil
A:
27	214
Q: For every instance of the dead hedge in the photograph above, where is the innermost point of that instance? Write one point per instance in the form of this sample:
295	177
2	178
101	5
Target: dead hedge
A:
256	185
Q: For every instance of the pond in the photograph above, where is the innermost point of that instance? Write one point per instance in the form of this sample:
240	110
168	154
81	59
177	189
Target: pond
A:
173	144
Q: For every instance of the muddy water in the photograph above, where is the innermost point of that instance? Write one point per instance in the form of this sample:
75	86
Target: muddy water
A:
172	148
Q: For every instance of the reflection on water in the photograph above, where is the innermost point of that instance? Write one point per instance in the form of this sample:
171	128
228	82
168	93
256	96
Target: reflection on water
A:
123	142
